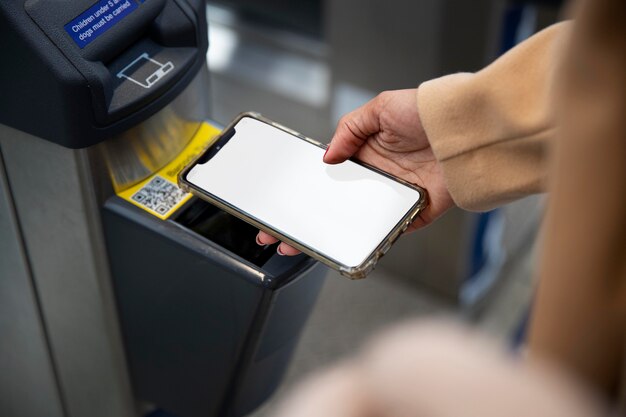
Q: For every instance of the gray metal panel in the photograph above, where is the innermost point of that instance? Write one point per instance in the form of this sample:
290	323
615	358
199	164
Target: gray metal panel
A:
390	44
53	194
27	381
194	313
287	310
186	307
384	44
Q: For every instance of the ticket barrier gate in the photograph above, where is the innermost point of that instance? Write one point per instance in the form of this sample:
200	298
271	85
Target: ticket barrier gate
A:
210	318
119	294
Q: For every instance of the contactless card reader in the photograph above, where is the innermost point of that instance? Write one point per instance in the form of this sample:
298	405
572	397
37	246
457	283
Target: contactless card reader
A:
136	71
89	70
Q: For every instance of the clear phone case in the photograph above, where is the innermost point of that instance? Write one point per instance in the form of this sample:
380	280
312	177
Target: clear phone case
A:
352	272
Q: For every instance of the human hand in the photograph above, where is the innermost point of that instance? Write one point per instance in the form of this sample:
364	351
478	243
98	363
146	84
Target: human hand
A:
437	369
387	133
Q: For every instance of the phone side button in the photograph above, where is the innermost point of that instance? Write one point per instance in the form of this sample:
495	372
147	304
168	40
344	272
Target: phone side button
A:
386	247
414	217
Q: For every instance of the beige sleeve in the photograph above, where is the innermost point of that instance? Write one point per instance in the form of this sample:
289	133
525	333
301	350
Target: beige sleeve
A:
489	130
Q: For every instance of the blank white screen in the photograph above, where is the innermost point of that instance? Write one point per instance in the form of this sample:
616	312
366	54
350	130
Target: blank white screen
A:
343	211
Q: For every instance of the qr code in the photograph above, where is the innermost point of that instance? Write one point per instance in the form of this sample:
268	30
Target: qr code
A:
159	195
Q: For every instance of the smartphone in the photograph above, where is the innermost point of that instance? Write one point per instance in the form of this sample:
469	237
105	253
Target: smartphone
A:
345	215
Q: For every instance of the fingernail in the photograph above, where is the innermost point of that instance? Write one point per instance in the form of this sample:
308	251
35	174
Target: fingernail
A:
327	148
279	251
258	241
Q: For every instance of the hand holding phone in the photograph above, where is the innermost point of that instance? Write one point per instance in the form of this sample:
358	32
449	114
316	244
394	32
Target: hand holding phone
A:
345	215
387	133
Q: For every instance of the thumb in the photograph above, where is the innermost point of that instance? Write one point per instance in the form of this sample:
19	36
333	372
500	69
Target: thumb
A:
352	132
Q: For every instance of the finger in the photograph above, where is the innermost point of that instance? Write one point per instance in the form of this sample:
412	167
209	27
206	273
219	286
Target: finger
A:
283	249
286	250
352	132
265	239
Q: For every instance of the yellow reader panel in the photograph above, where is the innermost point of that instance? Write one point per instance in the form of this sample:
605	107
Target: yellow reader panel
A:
159	194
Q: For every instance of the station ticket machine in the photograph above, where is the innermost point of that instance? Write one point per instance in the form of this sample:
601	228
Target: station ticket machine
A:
120	295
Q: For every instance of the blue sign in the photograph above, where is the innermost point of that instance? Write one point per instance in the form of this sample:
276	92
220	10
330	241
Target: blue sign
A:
97	19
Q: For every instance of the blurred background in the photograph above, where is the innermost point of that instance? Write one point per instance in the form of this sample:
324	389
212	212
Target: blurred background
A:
305	64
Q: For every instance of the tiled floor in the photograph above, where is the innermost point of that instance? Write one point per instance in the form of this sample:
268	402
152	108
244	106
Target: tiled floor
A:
289	79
